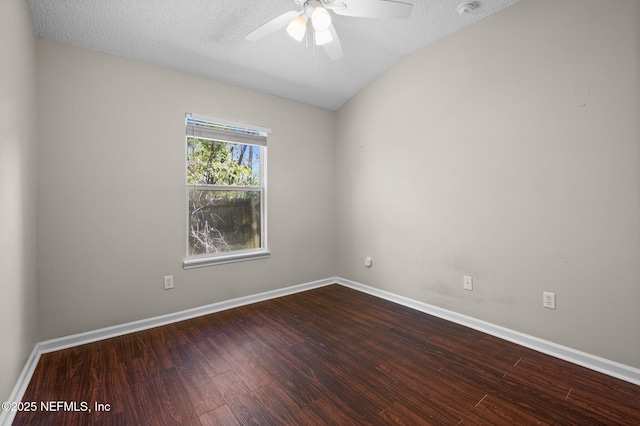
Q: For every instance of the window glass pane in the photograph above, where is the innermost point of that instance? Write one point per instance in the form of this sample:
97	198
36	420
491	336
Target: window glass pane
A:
222	221
222	163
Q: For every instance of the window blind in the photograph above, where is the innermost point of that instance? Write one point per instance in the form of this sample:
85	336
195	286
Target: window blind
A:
224	130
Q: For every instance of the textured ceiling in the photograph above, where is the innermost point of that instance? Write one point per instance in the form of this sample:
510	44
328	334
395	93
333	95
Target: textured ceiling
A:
206	38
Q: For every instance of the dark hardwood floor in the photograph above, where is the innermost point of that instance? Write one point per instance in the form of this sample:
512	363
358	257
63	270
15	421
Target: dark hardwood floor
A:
326	356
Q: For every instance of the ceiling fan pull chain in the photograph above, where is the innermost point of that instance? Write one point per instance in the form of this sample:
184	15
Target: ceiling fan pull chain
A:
306	38
313	45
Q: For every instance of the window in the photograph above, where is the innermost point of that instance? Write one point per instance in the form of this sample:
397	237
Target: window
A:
226	191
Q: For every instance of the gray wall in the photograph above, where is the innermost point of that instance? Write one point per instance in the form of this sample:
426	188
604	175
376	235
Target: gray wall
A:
18	312
508	151
112	209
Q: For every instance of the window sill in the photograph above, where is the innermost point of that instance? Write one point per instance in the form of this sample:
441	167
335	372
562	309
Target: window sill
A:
200	262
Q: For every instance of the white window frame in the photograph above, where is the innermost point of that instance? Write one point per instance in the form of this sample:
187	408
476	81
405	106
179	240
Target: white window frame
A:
210	259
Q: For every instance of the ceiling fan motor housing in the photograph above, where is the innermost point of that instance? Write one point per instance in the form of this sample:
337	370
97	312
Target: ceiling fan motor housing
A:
309	6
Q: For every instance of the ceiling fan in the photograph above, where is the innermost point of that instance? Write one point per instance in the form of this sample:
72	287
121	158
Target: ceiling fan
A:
315	13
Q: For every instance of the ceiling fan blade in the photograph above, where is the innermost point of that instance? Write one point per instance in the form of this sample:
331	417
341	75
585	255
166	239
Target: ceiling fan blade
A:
333	48
372	8
273	25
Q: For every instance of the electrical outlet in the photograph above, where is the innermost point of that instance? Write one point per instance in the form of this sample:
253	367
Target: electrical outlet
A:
549	300
468	283
168	282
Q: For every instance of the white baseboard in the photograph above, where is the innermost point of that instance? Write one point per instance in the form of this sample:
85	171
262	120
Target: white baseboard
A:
602	365
6	417
593	362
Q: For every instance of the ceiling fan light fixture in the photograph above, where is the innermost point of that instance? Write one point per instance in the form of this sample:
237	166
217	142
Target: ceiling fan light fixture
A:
297	28
323	37
320	19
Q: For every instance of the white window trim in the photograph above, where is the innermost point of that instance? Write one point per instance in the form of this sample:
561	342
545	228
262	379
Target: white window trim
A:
212	259
203	260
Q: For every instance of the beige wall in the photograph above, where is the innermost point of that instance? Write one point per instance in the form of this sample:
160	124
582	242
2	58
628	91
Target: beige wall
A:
18	300
508	151
112	209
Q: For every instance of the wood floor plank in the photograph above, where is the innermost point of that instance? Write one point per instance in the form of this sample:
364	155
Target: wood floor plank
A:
244	406
461	397
497	412
303	387
400	414
281	407
328	356
540	404
221	416
340	375
422	397
331	411
552	379
198	386
612	408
